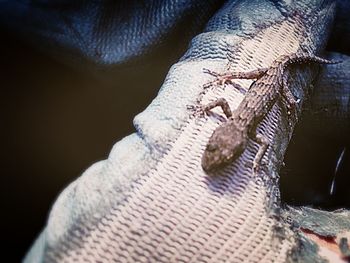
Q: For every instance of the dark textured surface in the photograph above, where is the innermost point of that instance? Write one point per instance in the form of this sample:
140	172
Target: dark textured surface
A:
340	38
319	139
90	33
329	110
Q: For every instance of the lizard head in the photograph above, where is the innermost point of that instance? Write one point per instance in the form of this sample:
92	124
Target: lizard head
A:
225	145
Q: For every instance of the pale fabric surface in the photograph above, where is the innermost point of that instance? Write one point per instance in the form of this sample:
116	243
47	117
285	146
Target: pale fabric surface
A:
150	200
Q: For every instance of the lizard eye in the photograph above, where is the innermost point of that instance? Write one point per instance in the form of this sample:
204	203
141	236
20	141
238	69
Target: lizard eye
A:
212	147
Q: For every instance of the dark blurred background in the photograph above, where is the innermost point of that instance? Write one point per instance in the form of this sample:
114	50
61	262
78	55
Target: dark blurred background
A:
59	118
56	121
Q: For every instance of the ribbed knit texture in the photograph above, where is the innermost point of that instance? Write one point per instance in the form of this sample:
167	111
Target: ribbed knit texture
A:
151	201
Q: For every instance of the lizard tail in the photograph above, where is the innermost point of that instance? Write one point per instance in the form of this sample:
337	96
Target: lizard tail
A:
306	58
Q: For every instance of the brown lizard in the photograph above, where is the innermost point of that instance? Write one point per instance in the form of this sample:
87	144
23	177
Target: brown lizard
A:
229	140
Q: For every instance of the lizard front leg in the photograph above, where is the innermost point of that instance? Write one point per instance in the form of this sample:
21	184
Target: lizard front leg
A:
263	144
219	103
201	110
222	78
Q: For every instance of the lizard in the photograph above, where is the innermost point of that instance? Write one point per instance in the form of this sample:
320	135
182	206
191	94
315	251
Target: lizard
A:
230	139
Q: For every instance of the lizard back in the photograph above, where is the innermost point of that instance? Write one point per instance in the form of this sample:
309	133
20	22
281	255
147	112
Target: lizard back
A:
264	92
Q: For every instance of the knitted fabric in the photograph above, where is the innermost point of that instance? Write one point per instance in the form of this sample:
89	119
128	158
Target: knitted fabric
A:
151	201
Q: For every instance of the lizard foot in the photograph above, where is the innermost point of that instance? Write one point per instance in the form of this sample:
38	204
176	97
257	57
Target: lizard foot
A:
257	167
198	111
219	80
